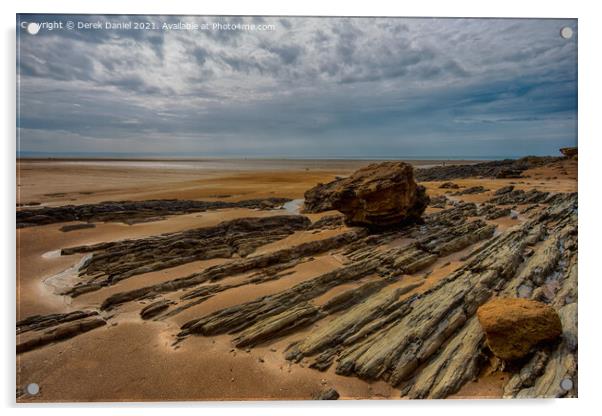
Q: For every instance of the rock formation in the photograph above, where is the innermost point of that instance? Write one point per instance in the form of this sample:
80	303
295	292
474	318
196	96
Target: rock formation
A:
569	151
513	326
285	258
449	185
318	198
115	261
472	190
37	331
154	309
378	195
76	227
330	394
504	190
131	212
509	168
427	342
438	201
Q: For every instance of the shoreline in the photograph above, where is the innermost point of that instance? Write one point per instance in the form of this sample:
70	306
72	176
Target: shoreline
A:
239	163
279	158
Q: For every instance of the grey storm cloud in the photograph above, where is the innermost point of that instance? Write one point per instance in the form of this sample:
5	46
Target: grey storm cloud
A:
329	87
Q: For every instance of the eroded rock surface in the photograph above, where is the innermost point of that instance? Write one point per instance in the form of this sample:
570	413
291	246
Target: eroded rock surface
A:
472	190
509	168
330	394
131	212
378	195
513	326
76	227
38	331
154	309
115	261
518	196
569	151
286	256
449	185
429	342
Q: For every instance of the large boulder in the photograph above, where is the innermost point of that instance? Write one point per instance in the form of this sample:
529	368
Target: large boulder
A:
378	195
513	326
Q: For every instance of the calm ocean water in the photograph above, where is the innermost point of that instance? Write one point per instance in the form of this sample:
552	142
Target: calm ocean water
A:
185	157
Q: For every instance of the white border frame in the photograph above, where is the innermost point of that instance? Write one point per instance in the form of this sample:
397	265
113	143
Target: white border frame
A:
590	275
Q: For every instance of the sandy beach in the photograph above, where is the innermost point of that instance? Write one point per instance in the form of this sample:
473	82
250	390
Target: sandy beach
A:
133	359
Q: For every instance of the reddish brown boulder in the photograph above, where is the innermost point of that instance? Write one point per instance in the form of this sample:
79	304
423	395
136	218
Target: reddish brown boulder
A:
513	326
380	194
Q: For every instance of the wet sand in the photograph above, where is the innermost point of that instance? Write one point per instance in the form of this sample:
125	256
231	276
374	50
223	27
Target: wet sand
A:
63	182
134	360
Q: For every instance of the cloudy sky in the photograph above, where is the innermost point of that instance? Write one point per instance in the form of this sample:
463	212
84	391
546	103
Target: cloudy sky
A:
310	87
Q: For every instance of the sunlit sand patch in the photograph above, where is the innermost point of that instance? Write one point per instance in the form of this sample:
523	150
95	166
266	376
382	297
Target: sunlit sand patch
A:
489	385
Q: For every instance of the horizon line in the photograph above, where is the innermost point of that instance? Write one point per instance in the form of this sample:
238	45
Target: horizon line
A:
159	156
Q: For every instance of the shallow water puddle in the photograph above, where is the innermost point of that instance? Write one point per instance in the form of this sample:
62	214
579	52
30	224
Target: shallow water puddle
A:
53	254
66	279
294	206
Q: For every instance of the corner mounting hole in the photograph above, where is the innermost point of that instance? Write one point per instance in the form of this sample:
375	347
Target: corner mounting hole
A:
33	388
33	28
566	384
566	32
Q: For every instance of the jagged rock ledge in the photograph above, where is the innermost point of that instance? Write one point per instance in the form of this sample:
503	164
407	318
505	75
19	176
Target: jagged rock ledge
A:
39	330
508	168
131	212
115	261
428	342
